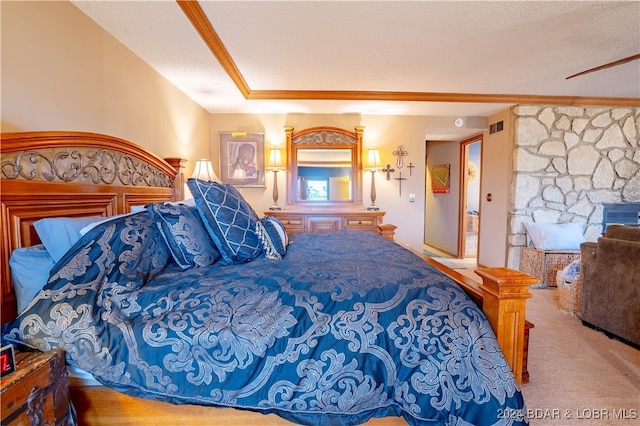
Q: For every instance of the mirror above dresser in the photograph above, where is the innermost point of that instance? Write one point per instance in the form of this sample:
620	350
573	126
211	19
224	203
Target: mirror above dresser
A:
324	166
324	183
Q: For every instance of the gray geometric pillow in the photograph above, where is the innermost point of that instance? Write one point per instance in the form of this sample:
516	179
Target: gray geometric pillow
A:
229	219
185	234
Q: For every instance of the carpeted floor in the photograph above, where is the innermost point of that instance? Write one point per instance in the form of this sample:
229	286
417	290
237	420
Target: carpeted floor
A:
578	376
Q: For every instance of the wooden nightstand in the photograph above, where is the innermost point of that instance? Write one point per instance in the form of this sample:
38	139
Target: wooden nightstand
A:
37	393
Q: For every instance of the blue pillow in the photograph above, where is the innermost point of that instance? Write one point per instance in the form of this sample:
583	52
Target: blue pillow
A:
134	242
229	219
58	234
185	234
30	267
273	236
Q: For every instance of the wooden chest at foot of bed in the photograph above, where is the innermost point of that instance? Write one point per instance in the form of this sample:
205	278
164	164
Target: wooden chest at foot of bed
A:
545	264
37	392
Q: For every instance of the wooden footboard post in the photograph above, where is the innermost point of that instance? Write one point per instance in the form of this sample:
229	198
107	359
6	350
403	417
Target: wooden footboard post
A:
505	292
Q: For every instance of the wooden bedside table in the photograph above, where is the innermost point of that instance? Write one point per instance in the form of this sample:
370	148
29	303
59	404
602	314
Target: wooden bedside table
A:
37	393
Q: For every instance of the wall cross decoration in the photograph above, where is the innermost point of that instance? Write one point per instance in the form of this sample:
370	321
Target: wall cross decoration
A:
410	166
388	170
400	179
400	152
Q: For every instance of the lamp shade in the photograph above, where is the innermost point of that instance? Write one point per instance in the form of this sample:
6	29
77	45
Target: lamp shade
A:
204	171
275	159
373	160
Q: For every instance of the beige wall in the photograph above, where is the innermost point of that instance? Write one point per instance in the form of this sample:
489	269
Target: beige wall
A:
442	210
383	132
495	180
441	215
61	71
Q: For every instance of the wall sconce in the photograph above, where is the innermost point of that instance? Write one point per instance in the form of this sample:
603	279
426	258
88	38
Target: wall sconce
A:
204	171
373	164
275	164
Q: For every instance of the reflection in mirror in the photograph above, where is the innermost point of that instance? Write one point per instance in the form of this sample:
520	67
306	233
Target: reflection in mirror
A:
324	174
323	166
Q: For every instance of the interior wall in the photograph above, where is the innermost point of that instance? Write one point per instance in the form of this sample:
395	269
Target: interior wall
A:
62	71
441	215
495	195
568	161
385	133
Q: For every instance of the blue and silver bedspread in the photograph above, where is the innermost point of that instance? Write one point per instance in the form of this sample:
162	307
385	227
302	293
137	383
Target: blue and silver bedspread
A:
348	326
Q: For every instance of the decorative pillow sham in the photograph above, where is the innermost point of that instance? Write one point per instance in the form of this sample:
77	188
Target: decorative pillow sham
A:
229	220
58	234
273	236
30	267
555	236
131	243
185	234
103	219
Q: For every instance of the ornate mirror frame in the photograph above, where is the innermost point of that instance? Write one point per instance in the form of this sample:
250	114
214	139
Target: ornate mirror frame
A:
324	137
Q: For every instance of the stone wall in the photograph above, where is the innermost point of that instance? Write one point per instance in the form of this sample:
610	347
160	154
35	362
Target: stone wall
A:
567	161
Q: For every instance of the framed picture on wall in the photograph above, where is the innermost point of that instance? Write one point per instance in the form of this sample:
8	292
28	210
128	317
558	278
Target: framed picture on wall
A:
440	178
242	158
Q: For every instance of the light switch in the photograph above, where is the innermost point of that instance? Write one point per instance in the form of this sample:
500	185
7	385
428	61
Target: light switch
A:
412	198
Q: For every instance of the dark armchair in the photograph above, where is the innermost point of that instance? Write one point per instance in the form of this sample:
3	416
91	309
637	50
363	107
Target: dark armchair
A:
610	289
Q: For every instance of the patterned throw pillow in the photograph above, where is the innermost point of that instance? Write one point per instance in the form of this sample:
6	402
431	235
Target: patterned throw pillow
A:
185	234
273	236
229	219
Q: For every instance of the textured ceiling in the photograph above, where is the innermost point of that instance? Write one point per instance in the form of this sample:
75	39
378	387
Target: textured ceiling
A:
464	50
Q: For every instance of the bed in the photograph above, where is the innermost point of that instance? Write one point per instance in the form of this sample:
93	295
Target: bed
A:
261	331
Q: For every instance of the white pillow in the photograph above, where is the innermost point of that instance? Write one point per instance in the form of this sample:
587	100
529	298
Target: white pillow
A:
134	210
555	236
103	219
58	234
30	267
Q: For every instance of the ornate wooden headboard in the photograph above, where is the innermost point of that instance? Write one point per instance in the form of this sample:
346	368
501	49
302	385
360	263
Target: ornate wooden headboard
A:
73	174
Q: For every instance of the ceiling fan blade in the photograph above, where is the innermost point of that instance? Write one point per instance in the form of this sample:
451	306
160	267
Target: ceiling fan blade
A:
609	65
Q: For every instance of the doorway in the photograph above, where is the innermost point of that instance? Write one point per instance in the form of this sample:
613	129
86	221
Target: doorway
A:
469	215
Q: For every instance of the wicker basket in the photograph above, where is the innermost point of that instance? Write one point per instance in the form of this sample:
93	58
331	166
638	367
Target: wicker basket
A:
545	264
569	294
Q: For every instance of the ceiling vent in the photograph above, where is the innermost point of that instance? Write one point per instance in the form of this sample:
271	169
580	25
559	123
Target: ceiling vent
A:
496	127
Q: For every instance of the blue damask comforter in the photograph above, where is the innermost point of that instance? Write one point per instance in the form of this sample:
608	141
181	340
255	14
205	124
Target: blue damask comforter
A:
346	327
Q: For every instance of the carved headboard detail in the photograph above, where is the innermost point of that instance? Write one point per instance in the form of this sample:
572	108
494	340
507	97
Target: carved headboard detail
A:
73	174
82	165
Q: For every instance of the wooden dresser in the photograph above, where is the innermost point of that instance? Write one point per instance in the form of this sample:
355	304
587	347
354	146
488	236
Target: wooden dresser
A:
37	393
298	219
